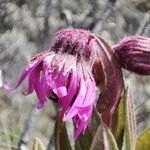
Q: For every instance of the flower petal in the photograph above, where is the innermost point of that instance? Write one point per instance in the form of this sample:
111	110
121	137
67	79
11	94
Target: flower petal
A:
23	75
31	80
71	92
85	113
78	101
81	122
90	95
60	91
42	92
82	125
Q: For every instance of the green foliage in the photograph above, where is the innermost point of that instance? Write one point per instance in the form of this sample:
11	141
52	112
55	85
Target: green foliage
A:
104	139
118	122
123	123
143	141
130	125
84	142
61	137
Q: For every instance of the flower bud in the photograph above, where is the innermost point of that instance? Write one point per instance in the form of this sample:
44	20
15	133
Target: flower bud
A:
134	54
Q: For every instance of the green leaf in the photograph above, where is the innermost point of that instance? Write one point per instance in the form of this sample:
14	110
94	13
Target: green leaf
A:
96	121
38	145
104	139
61	136
143	141
84	141
123	122
130	122
117	126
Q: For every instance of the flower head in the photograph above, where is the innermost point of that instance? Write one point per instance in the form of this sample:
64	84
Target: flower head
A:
134	54
69	70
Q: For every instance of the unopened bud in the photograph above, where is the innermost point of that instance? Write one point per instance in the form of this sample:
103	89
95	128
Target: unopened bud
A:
134	54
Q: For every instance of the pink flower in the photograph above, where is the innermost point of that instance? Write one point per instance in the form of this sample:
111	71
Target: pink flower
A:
134	54
69	70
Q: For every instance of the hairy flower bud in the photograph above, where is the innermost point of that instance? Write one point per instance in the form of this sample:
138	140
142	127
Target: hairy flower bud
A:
134	54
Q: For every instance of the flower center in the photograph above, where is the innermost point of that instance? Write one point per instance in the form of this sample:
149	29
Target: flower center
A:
73	41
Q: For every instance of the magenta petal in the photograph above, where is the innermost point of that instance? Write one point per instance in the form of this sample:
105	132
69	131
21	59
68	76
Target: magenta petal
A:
47	62
85	113
60	91
79	130
37	82
23	75
43	89
30	83
78	101
90	95
42	93
58	83
76	120
39	93
58	78
71	92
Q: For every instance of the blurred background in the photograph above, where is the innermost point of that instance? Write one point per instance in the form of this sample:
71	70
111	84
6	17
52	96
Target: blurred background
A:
26	28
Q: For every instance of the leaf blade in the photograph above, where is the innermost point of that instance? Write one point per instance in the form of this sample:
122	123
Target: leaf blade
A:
143	140
104	139
61	136
130	122
117	126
